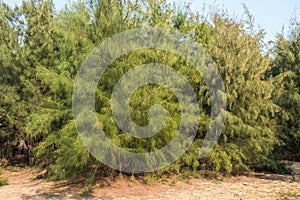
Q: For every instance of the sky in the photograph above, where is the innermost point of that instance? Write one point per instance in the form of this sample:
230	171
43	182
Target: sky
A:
271	15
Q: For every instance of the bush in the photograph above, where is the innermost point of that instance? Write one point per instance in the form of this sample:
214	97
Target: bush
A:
3	181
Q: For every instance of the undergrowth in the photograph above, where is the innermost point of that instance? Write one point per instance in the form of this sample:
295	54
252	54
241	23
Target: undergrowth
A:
3	181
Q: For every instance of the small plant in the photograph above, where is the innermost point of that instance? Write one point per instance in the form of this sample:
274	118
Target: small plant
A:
14	168
151	179
132	178
86	191
288	195
3	181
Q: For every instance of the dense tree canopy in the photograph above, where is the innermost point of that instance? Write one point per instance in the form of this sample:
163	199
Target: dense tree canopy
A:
286	70
43	49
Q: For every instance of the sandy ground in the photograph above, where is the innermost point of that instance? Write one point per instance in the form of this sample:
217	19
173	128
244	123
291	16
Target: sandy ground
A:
258	186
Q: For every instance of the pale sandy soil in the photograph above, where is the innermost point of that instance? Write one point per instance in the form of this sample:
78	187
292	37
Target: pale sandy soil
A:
258	186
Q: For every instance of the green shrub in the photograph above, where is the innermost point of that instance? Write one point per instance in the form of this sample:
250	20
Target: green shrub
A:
3	181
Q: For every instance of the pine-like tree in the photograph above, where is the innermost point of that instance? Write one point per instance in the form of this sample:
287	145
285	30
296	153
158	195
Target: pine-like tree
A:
248	136
286	70
43	54
13	106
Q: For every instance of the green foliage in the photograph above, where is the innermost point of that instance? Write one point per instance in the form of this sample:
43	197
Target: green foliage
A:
76	30
286	71
42	50
13	107
51	126
248	136
3	181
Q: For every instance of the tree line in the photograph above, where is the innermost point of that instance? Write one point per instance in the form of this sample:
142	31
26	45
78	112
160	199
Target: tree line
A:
41	52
